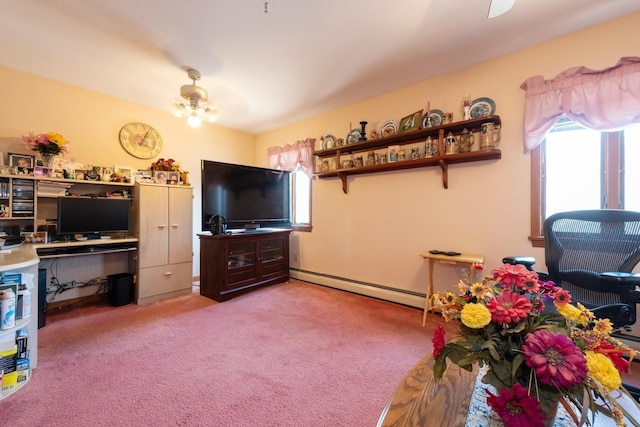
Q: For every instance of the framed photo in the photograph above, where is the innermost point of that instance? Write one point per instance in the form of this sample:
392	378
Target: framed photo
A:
411	122
21	160
160	177
173	177
34	236
394	152
123	173
42	171
142	176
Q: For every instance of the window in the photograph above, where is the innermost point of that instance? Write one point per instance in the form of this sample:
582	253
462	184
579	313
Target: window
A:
577	168
301	200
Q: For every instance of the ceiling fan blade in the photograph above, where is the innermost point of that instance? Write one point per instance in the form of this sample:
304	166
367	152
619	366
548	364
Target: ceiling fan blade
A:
498	7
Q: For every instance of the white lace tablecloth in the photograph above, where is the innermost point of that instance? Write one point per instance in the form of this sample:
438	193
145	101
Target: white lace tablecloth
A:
481	415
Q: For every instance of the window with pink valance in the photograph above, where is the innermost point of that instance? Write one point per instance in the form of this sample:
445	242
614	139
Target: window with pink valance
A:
289	156
607	99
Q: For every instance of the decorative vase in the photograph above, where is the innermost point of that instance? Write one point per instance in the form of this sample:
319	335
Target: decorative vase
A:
47	159
550	416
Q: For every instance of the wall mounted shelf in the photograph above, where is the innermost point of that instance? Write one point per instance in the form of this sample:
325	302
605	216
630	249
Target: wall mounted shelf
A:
415	137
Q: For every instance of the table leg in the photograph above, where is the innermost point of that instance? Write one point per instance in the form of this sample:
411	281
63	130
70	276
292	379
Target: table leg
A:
427	300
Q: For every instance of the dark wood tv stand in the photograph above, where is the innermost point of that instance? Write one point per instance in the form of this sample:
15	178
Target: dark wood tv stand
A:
234	263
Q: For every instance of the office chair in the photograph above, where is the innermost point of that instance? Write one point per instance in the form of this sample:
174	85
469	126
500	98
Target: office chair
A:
591	254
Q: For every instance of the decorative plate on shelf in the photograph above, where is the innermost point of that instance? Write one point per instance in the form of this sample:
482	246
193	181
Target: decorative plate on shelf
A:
329	141
436	118
482	107
389	128
353	136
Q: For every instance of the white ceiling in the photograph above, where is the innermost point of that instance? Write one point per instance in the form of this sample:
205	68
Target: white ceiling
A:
265	70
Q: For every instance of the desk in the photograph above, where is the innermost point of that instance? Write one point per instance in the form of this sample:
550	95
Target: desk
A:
462	258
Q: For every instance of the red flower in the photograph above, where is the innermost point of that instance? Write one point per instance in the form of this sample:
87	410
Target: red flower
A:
438	341
562	297
555	358
509	308
516	408
517	276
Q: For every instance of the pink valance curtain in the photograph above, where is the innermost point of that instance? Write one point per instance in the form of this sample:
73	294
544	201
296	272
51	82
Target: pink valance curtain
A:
607	99
288	157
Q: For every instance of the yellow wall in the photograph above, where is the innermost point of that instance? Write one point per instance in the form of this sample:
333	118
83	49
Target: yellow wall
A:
375	233
91	122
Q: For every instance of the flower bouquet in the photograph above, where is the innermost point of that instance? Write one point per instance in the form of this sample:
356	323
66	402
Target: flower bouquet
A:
165	165
533	357
45	143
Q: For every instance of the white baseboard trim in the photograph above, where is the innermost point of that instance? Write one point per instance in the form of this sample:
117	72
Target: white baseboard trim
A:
362	288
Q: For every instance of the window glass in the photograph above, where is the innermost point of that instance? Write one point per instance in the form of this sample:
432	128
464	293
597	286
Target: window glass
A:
301	197
572	167
632	168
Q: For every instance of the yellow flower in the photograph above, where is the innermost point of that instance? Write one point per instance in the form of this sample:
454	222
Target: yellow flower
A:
603	326
573	314
462	288
475	316
56	138
601	369
479	290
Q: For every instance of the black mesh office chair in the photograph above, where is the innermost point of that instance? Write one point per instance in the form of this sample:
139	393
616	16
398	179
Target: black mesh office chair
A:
591	254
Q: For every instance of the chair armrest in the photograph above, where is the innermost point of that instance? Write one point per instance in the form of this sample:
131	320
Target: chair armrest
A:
613	278
527	261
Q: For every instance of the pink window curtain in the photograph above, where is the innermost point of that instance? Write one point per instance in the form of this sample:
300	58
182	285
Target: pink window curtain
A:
607	99
288	157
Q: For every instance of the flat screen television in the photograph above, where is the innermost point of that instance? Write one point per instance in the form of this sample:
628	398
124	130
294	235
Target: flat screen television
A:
247	196
93	216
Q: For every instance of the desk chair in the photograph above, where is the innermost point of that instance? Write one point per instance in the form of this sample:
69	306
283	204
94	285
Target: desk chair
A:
591	254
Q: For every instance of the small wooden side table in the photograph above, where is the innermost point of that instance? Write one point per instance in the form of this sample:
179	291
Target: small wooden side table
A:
445	259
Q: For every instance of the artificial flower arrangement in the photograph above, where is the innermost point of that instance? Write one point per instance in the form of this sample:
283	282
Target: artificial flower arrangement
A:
533	357
165	165
51	143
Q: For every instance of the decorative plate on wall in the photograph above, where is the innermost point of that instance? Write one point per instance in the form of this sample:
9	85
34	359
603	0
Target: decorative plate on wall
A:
354	136
140	140
436	118
389	128
329	141
482	107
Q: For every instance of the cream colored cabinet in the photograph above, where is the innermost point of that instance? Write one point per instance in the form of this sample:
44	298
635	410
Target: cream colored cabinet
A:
164	227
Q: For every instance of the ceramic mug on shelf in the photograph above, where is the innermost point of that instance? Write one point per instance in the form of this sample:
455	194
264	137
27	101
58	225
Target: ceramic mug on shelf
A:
358	161
489	135
450	144
372	159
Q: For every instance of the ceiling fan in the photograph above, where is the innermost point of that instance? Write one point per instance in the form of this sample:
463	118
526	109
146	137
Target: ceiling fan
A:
498	7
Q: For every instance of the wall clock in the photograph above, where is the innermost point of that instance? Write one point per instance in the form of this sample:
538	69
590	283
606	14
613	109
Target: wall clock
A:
140	140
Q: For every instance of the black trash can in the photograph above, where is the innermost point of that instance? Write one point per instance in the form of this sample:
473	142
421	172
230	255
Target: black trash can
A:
120	289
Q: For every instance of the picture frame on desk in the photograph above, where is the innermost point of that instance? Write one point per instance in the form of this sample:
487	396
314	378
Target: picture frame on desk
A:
42	171
123	173
160	177
21	160
173	177
34	236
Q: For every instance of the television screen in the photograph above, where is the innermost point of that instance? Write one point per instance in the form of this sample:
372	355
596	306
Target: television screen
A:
92	216
246	196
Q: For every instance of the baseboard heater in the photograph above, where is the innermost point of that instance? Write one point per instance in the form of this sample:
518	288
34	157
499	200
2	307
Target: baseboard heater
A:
400	296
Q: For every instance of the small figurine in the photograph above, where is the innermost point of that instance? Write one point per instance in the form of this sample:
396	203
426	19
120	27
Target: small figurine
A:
467	107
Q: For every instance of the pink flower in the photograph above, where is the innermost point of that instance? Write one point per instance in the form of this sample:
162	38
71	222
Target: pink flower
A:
516	276
438	341
516	408
562	297
509	308
555	358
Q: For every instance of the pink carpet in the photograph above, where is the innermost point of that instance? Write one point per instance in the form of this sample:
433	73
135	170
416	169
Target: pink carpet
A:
292	354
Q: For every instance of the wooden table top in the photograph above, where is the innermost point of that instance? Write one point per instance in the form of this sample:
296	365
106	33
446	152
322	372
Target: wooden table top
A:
419	401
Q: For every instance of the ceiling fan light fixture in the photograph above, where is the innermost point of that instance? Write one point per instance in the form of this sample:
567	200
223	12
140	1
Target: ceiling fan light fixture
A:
194	101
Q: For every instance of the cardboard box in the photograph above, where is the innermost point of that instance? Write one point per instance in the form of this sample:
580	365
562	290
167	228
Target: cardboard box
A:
8	366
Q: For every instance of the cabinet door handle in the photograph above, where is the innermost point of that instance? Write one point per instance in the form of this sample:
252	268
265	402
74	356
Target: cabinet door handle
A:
168	273
161	226
175	226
